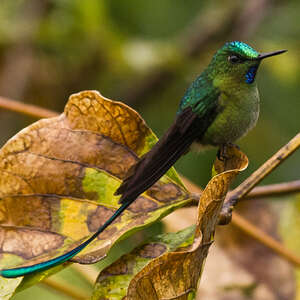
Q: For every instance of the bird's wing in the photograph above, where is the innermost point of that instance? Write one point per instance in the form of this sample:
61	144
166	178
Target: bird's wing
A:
190	124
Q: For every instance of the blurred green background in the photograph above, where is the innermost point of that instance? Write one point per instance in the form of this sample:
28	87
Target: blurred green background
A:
146	53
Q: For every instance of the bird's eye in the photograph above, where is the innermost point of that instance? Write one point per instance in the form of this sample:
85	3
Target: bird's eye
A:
234	59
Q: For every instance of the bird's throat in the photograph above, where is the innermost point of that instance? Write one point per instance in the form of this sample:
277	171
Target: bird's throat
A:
251	73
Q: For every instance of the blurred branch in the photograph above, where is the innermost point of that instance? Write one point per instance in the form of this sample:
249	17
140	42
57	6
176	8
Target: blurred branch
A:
257	234
66	289
273	190
244	188
26	109
88	272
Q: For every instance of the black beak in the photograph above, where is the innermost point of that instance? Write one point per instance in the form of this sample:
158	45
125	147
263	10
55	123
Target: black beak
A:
264	55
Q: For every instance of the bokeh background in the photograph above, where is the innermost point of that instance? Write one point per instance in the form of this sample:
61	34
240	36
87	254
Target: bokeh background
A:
146	53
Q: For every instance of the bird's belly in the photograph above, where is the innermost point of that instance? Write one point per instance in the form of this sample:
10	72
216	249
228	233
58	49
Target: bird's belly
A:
232	123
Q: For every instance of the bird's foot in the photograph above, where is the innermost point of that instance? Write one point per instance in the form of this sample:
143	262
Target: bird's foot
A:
223	151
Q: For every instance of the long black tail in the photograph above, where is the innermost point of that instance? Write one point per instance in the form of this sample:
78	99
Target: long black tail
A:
186	128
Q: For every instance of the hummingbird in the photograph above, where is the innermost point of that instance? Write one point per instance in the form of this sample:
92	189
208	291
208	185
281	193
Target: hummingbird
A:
219	107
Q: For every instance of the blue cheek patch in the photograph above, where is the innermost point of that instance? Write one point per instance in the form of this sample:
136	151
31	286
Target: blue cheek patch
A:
250	75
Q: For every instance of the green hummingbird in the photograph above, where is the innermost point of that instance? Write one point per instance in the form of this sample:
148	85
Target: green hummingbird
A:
218	108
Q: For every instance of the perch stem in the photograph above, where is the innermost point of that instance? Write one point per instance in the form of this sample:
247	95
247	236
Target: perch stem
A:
88	272
26	109
265	239
274	190
245	187
66	289
256	233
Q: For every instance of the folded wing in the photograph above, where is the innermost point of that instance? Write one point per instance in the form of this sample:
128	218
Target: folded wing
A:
187	127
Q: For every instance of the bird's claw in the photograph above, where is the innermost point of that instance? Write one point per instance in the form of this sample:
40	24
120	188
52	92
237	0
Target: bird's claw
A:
223	151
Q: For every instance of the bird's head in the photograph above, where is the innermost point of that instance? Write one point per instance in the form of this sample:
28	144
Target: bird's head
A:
238	62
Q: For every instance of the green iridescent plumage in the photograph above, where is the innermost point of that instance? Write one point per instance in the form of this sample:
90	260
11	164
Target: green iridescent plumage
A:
219	107
231	76
221	70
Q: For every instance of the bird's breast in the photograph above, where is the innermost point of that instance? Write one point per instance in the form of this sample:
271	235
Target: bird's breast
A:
238	114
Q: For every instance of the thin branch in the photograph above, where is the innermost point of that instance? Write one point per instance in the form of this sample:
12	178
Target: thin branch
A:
257	234
265	239
274	190
88	272
264	191
26	109
256	177
66	289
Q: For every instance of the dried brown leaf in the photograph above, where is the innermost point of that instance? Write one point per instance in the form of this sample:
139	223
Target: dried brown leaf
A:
173	273
59	175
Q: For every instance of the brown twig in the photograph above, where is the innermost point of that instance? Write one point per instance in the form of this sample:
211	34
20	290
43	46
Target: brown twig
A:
265	239
274	190
66	289
253	231
26	109
88	272
244	188
264	191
